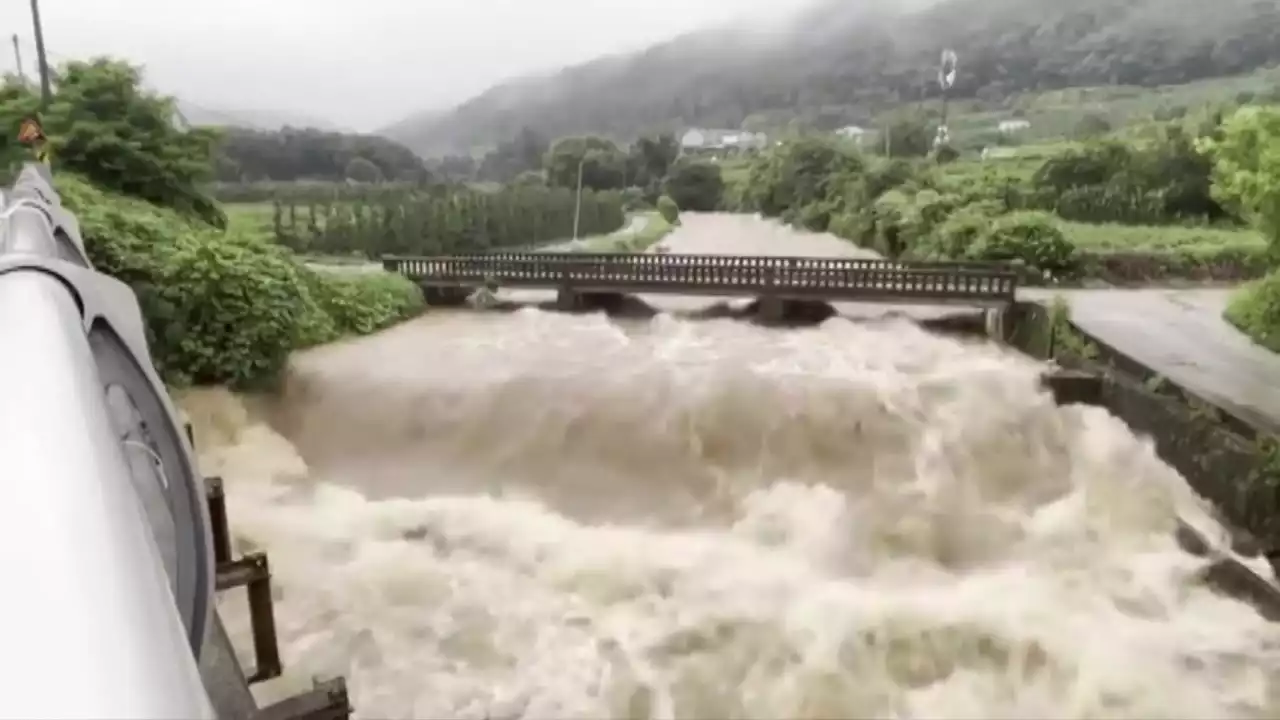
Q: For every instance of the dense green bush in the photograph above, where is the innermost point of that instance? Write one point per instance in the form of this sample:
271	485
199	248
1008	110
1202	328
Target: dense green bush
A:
696	186
669	210
362	303
229	309
1255	309
958	232
1164	178
104	125
1030	237
223	307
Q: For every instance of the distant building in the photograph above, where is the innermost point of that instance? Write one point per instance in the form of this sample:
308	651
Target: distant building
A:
1009	127
703	139
694	139
853	132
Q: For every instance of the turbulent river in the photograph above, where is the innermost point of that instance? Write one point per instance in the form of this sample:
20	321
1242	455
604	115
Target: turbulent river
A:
534	515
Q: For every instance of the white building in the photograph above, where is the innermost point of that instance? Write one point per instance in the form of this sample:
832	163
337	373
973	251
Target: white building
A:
1012	126
852	132
696	139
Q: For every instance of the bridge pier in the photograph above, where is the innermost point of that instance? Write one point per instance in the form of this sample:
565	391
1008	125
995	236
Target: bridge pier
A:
771	310
574	301
437	296
995	323
568	300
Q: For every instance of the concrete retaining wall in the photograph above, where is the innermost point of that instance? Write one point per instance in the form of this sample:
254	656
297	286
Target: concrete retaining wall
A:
1223	457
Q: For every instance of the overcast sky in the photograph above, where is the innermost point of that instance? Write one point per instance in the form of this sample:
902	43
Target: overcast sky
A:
356	64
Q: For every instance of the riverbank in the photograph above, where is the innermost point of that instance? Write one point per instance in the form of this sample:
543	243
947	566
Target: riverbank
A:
1228	456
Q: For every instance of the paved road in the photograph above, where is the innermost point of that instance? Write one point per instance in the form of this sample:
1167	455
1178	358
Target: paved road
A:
1178	333
1181	335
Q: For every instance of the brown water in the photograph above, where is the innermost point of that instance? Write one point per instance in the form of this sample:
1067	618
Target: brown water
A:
534	515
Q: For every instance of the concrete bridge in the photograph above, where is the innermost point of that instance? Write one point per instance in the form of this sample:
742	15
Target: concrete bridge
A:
784	285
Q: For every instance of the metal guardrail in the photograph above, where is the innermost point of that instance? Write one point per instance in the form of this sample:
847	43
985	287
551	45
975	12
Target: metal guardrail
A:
110	579
116	547
789	277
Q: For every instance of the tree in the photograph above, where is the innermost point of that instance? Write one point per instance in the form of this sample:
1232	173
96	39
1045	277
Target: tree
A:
649	161
604	166
907	135
513	157
105	126
695	186
1246	167
307	154
362	170
1092	125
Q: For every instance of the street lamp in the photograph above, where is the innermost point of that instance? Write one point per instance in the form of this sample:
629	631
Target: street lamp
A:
946	79
577	208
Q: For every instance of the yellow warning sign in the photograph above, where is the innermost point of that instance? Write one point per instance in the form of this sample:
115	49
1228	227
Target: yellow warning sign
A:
30	133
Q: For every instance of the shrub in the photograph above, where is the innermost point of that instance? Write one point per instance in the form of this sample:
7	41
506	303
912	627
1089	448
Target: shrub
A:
1033	238
106	126
230	309
695	186
890	214
668	209
361	303
633	198
222	307
1255	309
956	234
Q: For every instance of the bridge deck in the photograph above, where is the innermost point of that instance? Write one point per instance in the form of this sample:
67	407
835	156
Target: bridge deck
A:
799	278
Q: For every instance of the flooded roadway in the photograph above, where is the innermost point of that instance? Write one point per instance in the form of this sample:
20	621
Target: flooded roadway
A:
533	515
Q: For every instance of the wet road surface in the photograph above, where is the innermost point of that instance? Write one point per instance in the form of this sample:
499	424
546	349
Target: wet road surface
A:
1181	334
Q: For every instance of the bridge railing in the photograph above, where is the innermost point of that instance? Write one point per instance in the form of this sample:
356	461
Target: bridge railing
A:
795	276
393	262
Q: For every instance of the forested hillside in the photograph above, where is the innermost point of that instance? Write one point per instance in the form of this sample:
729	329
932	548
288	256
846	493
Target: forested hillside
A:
844	62
292	154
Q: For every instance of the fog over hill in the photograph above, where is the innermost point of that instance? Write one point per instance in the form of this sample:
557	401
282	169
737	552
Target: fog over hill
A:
846	60
252	119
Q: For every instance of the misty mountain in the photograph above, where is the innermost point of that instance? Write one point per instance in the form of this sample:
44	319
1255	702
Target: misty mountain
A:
845	61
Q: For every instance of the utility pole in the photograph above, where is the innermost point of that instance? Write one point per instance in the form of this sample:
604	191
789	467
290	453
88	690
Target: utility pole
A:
17	57
42	61
946	79
577	208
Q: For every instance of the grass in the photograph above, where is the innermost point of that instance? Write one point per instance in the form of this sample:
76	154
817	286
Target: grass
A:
260	216
250	216
1112	237
1014	163
624	241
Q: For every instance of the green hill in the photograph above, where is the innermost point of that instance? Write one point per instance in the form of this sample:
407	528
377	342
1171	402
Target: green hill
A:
842	63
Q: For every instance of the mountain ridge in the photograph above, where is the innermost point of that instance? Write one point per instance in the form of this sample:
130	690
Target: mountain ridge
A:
855	61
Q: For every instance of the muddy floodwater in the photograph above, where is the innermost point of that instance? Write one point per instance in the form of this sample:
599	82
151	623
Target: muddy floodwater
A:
536	515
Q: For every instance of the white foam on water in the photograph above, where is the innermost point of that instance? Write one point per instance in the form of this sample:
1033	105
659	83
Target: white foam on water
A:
536	515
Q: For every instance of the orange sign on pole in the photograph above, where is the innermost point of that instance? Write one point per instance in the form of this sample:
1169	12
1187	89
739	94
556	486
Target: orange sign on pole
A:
30	133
